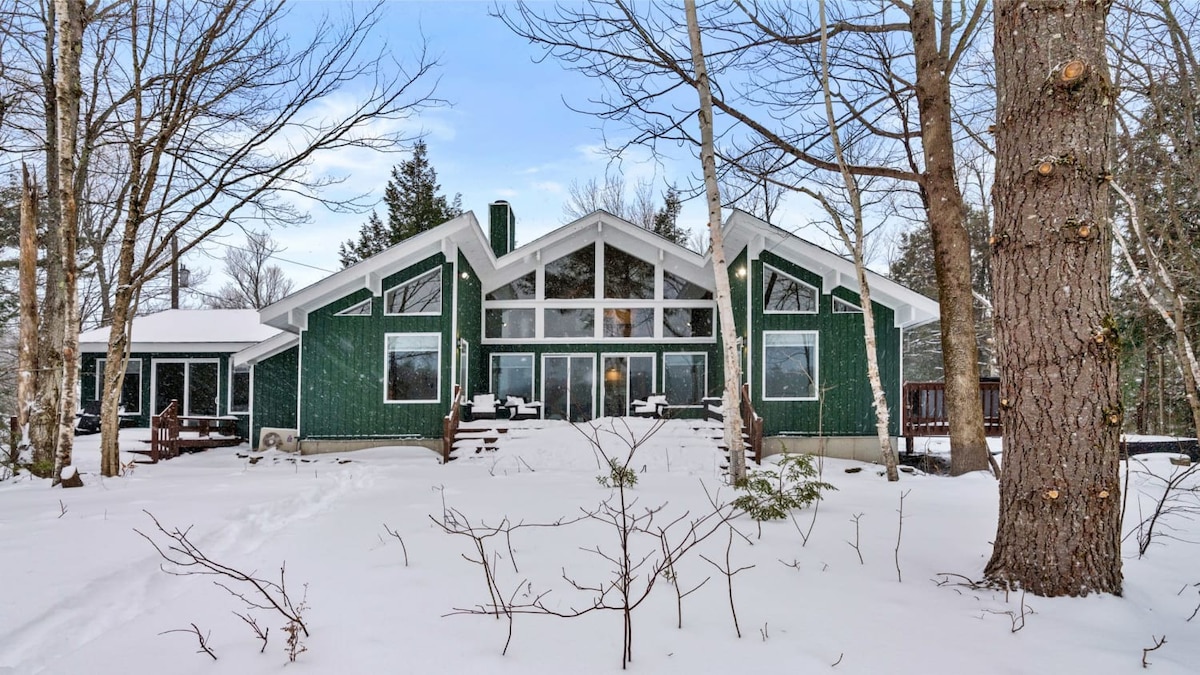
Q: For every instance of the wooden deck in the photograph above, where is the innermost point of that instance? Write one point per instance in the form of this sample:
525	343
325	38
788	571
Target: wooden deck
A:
172	433
925	410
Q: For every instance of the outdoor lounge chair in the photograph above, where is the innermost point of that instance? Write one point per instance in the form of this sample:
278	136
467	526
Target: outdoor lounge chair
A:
483	406
653	406
519	409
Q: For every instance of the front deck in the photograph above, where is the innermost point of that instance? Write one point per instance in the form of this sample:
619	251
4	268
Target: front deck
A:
925	410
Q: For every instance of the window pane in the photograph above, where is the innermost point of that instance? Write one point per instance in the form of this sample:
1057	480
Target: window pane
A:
789	364
412	367
509	323
239	396
685	322
637	322
685	378
576	323
572	276
202	388
678	288
422	295
626	276
782	293
522	289
841	306
361	309
131	386
512	375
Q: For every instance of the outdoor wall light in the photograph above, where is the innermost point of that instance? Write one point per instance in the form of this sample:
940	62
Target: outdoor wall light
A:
741	272
464	275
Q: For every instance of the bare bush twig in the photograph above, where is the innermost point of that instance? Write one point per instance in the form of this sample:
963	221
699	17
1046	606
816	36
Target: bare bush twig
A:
729	573
202	637
899	533
400	539
1158	642
259	632
857	532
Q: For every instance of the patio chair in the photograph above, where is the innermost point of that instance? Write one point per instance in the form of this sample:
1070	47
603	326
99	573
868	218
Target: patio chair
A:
519	409
653	406
483	406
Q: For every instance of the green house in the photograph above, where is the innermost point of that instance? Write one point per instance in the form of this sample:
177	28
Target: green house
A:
586	319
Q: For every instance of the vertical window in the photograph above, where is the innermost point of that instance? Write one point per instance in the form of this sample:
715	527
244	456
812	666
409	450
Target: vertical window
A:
685	378
790	365
786	294
422	295
239	389
508	323
512	375
626	276
131	386
413	367
572	276
688	322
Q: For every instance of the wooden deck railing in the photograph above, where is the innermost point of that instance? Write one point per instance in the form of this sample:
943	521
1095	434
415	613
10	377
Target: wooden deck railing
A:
752	424
925	410
164	433
450	425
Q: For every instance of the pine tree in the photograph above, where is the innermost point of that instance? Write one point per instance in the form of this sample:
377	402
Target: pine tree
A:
413	206
666	219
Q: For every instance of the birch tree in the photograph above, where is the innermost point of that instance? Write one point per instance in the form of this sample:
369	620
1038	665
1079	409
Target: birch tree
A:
733	370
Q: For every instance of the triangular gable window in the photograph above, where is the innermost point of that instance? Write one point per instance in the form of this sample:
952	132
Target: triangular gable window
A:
422	295
783	293
841	306
361	309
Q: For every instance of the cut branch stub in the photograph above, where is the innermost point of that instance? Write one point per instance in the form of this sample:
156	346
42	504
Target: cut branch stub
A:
1072	73
1045	167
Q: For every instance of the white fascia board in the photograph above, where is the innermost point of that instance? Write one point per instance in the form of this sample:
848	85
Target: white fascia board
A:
171	347
265	349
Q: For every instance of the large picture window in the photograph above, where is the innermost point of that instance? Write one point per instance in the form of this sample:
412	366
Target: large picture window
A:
422	295
786	294
626	276
413	364
688	322
512	375
572	276
790	365
524	288
629	323
509	323
677	288
570	323
131	386
685	378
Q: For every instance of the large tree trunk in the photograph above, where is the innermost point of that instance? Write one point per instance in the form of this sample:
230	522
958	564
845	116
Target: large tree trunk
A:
1059	525
951	246
733	367
43	421
27	350
69	91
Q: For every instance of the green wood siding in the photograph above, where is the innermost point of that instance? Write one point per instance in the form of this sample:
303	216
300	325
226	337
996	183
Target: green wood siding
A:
342	366
470	326
844	400
275	386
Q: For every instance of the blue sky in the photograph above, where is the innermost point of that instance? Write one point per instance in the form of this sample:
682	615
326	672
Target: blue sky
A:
506	133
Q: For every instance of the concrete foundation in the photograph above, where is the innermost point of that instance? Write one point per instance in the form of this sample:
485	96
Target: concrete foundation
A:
326	446
860	448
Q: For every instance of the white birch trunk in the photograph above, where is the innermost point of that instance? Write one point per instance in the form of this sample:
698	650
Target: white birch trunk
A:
731	410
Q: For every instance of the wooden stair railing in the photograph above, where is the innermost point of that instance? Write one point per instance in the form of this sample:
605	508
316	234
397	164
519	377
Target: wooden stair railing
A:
450	425
164	433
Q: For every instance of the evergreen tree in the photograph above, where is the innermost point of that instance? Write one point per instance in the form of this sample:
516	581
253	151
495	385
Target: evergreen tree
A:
666	219
413	206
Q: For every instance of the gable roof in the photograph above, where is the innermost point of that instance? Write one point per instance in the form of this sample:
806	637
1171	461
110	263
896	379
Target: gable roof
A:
187	330
464	235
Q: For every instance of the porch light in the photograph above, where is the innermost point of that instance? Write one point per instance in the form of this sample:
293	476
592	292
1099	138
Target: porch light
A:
464	275
741	272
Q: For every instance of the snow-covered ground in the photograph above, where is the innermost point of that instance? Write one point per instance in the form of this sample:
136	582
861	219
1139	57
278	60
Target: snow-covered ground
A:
83	591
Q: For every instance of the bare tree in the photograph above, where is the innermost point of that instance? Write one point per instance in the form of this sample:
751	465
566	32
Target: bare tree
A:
255	282
1059	525
219	121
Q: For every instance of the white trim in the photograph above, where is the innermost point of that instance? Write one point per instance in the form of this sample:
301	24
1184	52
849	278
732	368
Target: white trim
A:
437	396
100	383
492	368
704	393
436	271
353	310
816	374
266	349
176	347
299	382
833	303
763	291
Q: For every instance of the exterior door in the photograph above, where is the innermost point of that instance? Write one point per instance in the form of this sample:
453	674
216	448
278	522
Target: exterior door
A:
626	379
569	387
195	384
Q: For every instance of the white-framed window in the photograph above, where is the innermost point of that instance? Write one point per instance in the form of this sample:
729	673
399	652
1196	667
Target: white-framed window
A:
239	389
790	365
840	306
412	367
420	296
509	324
785	294
358	309
685	378
687	322
512	375
634	322
131	386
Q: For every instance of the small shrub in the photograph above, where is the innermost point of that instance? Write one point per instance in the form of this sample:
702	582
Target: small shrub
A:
770	495
619	475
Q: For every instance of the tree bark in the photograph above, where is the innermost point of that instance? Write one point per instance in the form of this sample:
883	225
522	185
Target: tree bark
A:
69	91
1059	526
27	350
733	367
951	246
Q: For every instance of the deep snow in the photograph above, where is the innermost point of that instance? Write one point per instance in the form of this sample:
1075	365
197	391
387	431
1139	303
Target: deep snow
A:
84	592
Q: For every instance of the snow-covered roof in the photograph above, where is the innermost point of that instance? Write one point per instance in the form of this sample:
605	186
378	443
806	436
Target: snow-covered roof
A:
265	349
187	330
